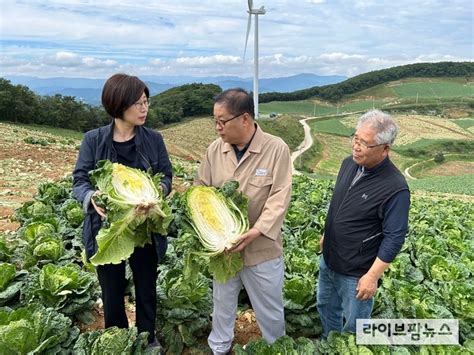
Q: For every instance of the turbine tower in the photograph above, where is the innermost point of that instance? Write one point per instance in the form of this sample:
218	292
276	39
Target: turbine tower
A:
251	11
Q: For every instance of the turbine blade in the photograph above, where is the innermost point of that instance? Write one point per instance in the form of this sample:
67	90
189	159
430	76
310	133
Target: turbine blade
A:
250	4
249	24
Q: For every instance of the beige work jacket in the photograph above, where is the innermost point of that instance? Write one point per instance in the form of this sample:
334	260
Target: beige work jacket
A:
264	175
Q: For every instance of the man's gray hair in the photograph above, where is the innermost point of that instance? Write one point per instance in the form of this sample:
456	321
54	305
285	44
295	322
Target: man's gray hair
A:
384	125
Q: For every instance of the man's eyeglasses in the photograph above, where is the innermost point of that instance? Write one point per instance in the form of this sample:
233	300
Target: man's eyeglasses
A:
145	103
355	141
221	123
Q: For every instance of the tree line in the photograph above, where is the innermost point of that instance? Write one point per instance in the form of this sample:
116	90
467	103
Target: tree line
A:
18	104
336	92
189	100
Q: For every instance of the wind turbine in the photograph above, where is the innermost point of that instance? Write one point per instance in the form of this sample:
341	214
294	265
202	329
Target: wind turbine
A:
251	11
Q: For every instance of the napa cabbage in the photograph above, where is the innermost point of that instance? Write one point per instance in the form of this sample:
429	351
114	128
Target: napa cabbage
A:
135	209
7	273
53	192
35	329
68	289
33	209
113	340
217	220
7	247
33	230
283	345
11	283
71	210
218	217
184	306
43	242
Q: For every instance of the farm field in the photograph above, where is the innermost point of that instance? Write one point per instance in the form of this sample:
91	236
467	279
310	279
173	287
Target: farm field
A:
190	140
414	92
431	278
420	138
416	128
315	108
23	166
467	123
334	148
452	168
459	186
433	88
304	107
440	222
424	87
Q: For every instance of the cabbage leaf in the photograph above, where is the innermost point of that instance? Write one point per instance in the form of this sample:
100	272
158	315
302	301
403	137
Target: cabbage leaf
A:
135	208
218	217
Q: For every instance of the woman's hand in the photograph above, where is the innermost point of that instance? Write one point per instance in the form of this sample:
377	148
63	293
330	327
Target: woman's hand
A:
100	211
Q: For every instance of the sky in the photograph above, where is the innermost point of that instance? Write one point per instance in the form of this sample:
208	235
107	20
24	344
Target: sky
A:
95	39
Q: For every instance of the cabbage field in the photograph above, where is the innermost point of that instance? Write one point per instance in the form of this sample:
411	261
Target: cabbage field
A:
47	291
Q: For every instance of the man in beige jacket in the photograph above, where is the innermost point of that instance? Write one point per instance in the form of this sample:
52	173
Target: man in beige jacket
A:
261	164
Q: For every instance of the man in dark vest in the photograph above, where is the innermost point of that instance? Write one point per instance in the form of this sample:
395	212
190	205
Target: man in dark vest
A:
365	226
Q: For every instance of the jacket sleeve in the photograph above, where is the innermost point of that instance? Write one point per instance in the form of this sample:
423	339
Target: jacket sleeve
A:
273	214
82	188
395	225
203	176
164	167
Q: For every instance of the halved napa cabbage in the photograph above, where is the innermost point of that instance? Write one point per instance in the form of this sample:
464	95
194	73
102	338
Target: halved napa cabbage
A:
216	219
135	209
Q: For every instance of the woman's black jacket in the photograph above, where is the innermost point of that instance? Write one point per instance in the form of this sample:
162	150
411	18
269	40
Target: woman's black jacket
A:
98	145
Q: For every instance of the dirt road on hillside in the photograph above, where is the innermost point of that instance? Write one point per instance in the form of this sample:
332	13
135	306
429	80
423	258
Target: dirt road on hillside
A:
305	144
308	137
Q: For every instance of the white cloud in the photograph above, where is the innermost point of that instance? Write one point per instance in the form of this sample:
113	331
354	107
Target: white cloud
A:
156	62
207	61
97	63
69	59
340	56
63	59
10	62
89	38
439	57
282	60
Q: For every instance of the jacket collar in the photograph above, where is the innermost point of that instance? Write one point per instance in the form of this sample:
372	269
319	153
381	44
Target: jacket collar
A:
378	167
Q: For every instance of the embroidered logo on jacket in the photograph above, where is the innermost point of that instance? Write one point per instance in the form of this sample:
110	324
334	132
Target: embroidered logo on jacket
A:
261	172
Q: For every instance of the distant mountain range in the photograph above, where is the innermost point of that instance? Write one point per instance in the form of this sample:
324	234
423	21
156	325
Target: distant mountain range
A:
89	90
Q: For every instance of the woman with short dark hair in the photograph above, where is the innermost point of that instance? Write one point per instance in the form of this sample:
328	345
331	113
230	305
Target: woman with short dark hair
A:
125	140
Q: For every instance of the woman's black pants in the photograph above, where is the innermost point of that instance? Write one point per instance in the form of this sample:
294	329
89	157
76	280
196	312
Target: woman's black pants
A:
143	263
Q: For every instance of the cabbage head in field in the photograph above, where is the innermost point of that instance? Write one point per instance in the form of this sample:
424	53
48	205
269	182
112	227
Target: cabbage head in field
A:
72	210
219	218
135	209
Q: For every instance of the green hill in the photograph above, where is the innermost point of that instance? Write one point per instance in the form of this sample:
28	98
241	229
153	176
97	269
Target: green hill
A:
446	83
420	94
436	153
178	103
336	92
